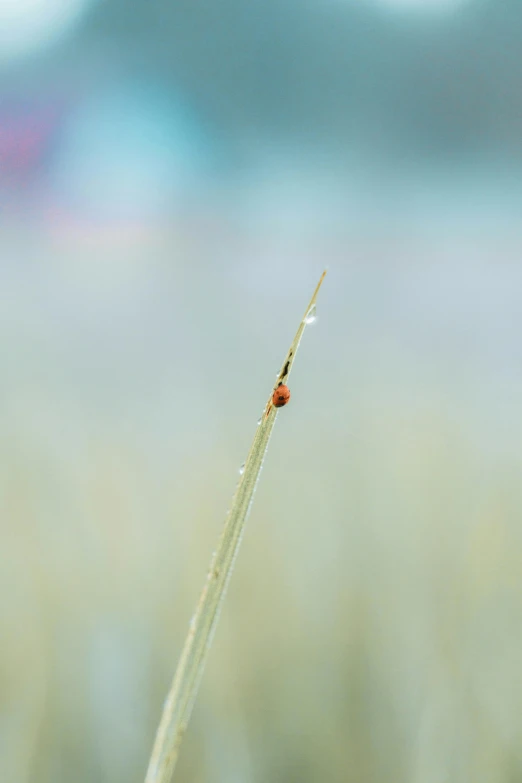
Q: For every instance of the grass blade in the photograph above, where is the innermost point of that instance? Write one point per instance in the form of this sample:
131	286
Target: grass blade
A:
182	694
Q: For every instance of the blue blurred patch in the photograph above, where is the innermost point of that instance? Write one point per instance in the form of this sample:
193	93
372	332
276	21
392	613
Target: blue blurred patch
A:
132	151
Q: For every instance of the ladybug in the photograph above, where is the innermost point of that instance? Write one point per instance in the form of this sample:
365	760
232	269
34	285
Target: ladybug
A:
281	396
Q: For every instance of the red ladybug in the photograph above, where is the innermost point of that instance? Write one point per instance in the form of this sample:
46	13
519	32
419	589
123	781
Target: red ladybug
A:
281	396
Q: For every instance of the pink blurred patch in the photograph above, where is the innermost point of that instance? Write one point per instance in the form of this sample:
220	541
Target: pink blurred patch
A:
27	135
66	226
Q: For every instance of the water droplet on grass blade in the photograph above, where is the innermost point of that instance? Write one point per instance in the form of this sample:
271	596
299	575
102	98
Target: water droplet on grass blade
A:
311	315
242	469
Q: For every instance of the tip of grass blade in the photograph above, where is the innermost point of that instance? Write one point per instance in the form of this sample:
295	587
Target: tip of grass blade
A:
286	367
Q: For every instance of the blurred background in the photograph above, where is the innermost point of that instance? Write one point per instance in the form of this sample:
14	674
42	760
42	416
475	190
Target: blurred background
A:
174	176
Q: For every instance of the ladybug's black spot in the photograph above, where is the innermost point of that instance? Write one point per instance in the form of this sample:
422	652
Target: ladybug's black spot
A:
281	395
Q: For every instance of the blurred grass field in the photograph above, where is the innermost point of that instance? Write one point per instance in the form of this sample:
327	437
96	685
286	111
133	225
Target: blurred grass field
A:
372	629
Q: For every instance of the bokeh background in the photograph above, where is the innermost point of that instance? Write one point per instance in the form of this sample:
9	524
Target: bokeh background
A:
174	176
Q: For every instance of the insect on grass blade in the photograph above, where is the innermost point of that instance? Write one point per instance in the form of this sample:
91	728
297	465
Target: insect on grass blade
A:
183	691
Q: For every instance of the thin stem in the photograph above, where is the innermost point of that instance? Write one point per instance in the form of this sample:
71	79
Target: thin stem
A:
183	691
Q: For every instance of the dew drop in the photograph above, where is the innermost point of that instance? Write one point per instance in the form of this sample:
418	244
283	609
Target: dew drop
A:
242	469
259	420
311	315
